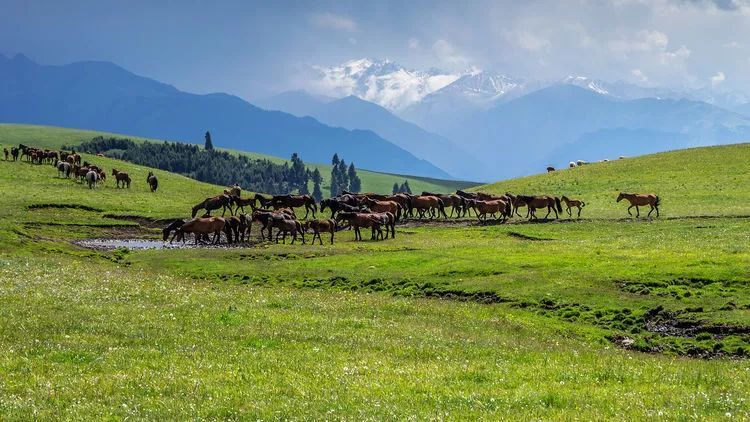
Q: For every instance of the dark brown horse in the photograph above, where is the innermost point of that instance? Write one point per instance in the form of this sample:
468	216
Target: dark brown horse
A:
321	226
640	200
214	203
121	177
536	202
241	203
14	153
265	218
294	201
152	181
285	226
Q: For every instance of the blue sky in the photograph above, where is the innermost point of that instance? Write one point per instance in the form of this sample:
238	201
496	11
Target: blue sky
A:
256	48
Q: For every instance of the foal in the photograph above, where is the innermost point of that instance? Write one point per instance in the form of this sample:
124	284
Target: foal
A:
570	203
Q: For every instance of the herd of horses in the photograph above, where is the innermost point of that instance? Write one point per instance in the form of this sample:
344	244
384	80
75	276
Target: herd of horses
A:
358	211
377	212
70	165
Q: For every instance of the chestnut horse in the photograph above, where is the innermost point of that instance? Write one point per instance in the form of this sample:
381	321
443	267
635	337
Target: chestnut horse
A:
428	203
570	203
121	176
535	202
285	226
210	204
640	200
203	226
482	208
383	206
358	220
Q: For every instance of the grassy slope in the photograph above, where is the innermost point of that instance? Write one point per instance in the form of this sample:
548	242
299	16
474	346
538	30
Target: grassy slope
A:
55	137
249	332
701	181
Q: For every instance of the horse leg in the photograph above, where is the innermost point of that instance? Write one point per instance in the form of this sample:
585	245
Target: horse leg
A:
652	210
332	231
657	210
579	212
637	211
549	210
629	213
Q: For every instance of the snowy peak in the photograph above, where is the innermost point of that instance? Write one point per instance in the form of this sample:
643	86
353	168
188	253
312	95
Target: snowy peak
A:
480	86
383	82
587	83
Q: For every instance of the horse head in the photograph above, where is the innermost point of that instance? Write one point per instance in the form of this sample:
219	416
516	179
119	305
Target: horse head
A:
621	196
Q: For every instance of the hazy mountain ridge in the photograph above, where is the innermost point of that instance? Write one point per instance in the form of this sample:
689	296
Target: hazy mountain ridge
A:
104	96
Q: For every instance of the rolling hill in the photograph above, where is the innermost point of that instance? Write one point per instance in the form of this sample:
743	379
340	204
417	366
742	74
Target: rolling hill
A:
704	181
55	137
103	96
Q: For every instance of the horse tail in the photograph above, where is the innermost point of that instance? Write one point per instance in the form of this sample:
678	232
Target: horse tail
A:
658	201
398	211
508	209
583	204
558	204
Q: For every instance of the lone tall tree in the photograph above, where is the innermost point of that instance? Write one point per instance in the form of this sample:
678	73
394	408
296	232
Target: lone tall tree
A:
317	179
209	145
355	183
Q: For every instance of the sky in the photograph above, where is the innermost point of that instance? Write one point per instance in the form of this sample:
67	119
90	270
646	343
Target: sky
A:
256	48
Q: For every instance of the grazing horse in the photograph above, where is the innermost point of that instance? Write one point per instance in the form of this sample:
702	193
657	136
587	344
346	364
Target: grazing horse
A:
570	203
536	202
63	168
383	206
320	226
639	200
359	220
121	176
214	203
234	228
172	228
203	226
14	153
550	169
92	177
500	206
152	181
294	201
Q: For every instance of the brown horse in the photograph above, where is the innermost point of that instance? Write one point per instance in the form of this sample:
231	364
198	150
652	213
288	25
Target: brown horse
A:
121	176
265	218
570	203
241	203
287	226
14	153
320	226
235	190
535	202
294	201
454	201
640	200
499	206
203	226
359	220
214	203
428	203
383	206
152	181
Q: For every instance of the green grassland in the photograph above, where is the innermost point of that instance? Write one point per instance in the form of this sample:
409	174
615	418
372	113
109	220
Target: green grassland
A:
603	317
372	181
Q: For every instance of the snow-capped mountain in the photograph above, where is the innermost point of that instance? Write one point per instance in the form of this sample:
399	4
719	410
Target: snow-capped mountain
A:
480	87
382	82
586	83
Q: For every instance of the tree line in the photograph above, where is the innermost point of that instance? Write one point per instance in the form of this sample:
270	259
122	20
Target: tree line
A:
208	165
224	169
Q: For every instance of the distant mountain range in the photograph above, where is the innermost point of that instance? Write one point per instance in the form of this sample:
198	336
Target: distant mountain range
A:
103	96
516	126
354	113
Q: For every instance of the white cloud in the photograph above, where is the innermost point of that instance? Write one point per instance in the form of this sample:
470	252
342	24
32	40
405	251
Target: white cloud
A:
718	78
333	21
643	41
532	42
639	75
733	44
352	41
448	54
413	43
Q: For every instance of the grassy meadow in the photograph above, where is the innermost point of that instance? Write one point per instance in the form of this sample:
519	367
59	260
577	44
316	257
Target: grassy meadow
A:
372	181
605	317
